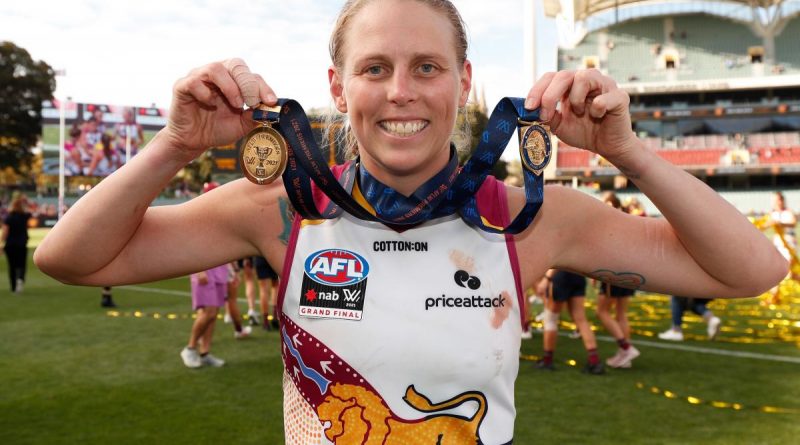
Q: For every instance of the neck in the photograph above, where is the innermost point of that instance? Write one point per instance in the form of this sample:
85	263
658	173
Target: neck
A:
405	181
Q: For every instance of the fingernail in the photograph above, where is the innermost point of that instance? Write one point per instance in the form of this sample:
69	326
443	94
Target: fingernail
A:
529	104
271	98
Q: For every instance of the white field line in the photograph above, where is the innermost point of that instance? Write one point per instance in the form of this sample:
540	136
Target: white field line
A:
712	351
153	290
654	344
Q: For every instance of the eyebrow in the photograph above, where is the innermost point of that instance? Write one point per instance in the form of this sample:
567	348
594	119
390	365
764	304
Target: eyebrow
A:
380	57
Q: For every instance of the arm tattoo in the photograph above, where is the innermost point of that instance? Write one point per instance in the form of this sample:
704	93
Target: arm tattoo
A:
630	280
287	216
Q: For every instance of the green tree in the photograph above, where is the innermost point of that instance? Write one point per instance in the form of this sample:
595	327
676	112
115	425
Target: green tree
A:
24	84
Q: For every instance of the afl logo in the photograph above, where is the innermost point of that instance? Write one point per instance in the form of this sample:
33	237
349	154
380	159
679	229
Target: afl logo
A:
336	267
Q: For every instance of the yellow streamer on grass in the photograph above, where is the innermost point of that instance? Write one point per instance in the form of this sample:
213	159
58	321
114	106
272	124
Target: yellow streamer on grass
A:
693	400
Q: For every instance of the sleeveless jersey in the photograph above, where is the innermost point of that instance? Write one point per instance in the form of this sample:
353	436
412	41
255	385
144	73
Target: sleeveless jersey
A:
401	337
121	132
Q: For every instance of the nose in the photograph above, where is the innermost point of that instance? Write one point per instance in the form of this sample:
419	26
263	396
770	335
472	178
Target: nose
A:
402	89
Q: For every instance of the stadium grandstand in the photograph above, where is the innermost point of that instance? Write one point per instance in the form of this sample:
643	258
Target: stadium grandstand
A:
714	86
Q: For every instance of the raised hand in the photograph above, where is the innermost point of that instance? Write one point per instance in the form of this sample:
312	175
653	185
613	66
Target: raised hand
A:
207	106
593	113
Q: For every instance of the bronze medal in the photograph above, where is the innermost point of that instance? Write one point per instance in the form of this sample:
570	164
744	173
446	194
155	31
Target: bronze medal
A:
534	146
263	154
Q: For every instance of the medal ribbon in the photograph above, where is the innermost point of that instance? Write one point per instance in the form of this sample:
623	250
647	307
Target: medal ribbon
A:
449	191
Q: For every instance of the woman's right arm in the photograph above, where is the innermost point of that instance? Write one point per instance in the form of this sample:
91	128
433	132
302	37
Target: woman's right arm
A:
111	236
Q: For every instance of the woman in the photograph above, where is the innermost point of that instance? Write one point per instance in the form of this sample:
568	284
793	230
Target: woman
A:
785	218
15	242
609	295
209	292
440	324
699	306
562	287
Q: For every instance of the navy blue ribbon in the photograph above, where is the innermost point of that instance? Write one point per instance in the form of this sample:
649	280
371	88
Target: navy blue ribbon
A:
449	191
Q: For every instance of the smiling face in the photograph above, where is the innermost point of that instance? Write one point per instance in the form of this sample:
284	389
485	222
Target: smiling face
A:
401	83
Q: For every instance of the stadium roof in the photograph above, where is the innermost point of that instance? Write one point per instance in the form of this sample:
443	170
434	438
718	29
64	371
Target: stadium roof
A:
587	8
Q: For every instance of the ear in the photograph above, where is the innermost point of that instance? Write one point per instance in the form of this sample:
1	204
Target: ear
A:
466	83
337	89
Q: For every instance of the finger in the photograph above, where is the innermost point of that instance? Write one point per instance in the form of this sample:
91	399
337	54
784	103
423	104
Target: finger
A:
265	92
615	101
535	94
561	83
587	84
245	80
217	74
554	122
191	88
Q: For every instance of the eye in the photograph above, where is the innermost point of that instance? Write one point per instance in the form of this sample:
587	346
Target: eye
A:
427	68
375	70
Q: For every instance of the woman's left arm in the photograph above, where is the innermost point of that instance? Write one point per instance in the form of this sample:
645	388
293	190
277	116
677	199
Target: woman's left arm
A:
703	234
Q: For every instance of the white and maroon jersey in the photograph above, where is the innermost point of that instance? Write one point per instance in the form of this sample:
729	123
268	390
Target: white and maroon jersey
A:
401	337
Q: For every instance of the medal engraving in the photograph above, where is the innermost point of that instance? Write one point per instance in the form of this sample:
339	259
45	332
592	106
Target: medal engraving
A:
263	155
534	146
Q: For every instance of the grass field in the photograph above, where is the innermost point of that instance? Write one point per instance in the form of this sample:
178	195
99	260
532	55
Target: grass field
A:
72	373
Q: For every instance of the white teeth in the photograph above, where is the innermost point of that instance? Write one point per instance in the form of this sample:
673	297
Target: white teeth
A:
403	129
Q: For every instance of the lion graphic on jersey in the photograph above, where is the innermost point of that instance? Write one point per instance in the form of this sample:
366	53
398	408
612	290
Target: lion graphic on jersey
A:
357	415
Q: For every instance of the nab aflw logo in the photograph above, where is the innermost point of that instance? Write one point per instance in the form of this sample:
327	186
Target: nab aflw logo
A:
334	285
336	267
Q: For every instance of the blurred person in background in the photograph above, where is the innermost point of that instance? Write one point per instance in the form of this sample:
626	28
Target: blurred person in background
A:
679	305
74	158
250	284
90	142
232	314
106	299
609	295
565	287
267	292
209	292
634	207
783	221
128	128
15	241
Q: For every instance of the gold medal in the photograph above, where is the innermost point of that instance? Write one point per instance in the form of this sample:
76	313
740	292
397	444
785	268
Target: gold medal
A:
534	146
263	154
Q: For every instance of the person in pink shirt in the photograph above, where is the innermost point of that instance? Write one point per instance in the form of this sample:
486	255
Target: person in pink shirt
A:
209	291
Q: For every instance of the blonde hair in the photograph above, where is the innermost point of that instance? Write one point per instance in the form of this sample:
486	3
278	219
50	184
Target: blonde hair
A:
18	204
344	137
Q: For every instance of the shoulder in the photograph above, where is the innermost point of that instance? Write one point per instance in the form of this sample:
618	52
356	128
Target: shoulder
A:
263	214
559	201
248	207
563	214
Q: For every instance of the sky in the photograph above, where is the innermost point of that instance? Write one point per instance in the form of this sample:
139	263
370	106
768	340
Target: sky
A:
131	53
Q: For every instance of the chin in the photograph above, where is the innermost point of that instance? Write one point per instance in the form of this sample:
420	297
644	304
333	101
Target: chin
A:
402	163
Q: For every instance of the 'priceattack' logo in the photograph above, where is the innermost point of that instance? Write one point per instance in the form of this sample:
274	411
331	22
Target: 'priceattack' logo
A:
336	267
465	280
